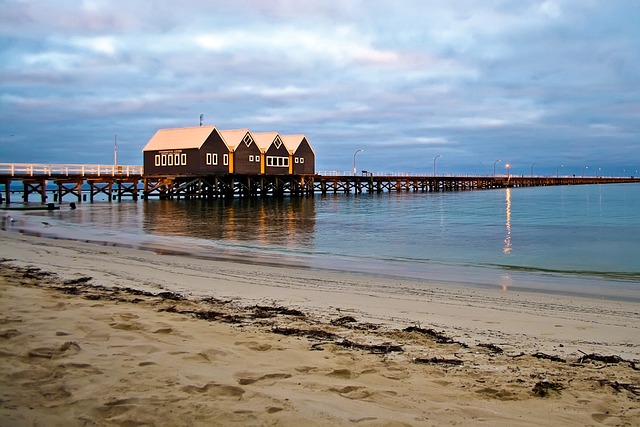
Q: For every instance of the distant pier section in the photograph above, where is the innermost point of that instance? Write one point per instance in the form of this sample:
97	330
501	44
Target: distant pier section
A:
78	183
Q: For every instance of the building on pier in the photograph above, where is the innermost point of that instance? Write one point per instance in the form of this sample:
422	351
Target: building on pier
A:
274	153
205	150
302	157
244	154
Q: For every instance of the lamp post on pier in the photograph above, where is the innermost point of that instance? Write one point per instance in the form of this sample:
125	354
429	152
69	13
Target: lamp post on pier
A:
434	164
532	165
508	166
558	170
494	167
354	160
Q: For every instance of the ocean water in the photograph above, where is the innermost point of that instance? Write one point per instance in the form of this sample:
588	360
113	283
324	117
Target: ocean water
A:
582	240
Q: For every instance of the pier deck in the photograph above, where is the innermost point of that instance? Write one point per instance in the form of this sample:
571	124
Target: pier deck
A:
118	182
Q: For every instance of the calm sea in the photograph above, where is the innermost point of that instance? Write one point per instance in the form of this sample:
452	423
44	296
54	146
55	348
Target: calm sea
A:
571	239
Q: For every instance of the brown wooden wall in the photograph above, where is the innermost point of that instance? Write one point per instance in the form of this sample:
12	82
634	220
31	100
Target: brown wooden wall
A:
309	165
247	159
277	152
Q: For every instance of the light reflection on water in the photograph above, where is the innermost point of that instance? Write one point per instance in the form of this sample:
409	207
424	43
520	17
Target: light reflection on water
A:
539	238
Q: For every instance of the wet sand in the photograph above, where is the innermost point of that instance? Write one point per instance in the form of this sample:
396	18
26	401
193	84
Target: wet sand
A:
97	335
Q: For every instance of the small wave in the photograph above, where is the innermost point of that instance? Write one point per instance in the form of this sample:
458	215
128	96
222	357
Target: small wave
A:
629	276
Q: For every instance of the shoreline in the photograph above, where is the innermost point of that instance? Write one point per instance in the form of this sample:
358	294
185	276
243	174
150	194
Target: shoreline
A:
610	286
550	322
102	335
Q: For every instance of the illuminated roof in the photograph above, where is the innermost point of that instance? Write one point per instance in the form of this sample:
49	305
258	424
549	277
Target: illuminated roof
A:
179	138
265	139
292	142
233	138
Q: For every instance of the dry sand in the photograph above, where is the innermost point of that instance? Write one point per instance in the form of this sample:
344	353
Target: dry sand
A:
96	335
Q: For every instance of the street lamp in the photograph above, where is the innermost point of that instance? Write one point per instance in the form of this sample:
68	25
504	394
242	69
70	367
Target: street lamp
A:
354	160
434	164
585	170
508	170
558	170
494	167
532	165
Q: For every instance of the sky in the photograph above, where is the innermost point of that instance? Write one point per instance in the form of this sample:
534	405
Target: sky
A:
547	86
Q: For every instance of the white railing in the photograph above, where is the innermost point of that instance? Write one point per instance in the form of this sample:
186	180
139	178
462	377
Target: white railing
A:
35	169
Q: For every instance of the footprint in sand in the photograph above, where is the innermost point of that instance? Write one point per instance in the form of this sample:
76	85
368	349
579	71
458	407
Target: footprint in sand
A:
247	379
254	345
352	392
218	390
345	374
9	333
66	349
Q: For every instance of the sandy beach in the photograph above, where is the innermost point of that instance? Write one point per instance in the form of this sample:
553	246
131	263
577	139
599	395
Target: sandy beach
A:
102	335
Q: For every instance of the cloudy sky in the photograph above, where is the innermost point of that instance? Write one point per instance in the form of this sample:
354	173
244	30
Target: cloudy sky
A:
544	82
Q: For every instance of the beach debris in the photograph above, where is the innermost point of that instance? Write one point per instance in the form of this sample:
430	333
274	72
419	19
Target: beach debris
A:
632	388
437	336
279	310
492	347
544	356
170	295
216	301
78	281
317	334
613	359
350	322
437	360
384	348
600	358
343	321
545	387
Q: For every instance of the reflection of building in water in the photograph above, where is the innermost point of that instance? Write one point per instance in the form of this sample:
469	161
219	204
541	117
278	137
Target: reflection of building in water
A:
271	222
507	239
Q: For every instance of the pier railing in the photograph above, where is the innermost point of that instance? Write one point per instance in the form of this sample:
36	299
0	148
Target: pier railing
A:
118	181
39	169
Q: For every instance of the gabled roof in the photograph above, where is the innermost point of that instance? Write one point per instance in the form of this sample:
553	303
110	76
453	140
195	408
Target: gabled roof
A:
179	138
292	142
265	139
235	137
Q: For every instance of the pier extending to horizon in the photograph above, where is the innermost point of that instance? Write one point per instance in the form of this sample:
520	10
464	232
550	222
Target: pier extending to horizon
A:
118	182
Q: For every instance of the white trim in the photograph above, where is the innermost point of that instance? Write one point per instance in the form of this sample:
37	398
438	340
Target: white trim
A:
277	161
157	159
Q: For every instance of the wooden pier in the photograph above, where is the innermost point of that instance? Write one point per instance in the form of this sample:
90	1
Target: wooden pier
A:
118	182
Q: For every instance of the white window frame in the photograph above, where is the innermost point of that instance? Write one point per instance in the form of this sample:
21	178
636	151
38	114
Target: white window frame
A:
251	157
301	159
163	160
157	159
169	159
183	159
225	159
278	161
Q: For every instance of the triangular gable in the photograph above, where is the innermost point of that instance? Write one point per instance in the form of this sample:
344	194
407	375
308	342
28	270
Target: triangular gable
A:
292	142
233	138
179	138
265	139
